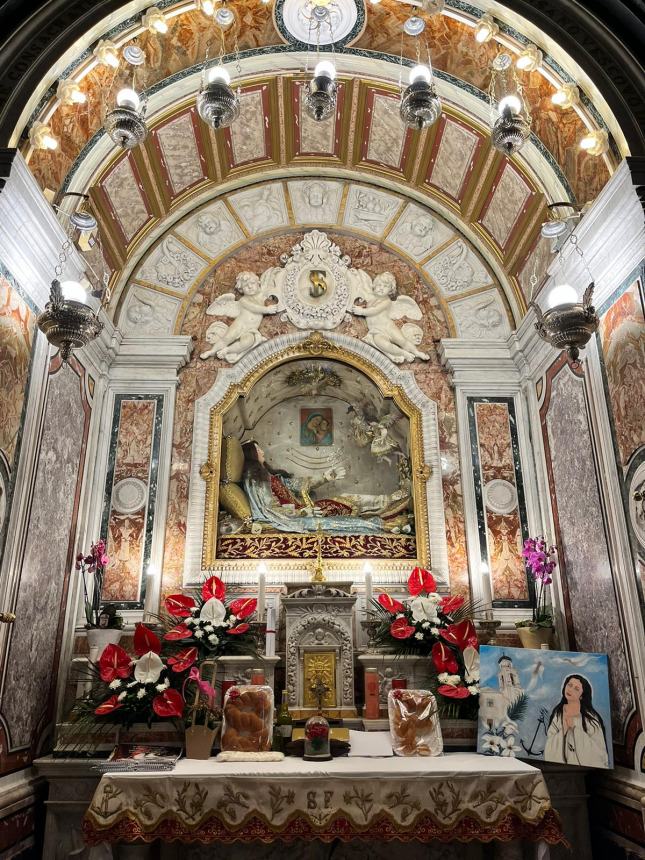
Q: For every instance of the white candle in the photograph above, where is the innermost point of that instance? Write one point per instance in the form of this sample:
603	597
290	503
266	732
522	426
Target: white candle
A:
367	571
262	585
487	592
269	644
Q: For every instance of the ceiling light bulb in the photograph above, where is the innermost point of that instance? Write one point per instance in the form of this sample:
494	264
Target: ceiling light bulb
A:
207	7
325	69
529	59
563	294
595	142
70	93
73	292
218	73
41	137
106	53
420	73
510	102
486	28
128	98
566	96
375	2
155	20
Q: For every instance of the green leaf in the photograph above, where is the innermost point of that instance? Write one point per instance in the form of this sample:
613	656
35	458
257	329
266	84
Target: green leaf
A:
517	709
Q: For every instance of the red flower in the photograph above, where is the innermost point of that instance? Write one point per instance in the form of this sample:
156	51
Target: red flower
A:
318	730
178	632
168	704
183	659
444	659
213	587
244	606
400	629
232	693
421	580
114	663
108	706
390	604
451	604
179	605
145	640
453	692
239	628
461	634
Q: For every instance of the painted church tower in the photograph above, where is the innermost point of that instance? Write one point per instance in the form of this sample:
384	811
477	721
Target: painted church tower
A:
508	679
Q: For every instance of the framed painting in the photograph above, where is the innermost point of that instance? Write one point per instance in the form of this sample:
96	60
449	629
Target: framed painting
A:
545	705
316	427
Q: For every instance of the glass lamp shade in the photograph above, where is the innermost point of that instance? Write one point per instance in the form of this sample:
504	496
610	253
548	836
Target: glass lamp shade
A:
562	294
128	98
73	292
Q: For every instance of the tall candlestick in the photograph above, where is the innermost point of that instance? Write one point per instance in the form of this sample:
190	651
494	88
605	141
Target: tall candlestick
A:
367	571
487	592
269	644
262	585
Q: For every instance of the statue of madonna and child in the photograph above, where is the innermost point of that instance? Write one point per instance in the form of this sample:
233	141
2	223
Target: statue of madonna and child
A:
271	499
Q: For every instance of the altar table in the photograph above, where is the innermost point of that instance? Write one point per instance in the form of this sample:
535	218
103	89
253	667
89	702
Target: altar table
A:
456	797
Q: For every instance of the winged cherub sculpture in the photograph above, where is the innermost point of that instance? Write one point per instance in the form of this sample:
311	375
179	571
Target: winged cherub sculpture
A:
381	308
231	342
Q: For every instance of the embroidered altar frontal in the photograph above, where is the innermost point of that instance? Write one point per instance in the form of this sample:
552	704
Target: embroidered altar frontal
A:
452	797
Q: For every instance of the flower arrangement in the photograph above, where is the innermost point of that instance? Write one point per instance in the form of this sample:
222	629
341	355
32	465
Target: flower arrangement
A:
208	624
92	567
540	563
441	628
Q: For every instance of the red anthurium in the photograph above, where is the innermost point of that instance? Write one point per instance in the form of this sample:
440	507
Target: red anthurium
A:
421	580
450	604
444	659
179	605
178	632
114	663
400	629
390	604
145	640
239	628
244	606
453	692
183	659
108	706
168	704
461	634
213	587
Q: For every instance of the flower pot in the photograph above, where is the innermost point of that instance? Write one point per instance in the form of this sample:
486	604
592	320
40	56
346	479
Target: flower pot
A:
199	742
535	637
99	637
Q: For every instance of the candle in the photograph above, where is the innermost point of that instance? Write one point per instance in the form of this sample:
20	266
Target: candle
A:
487	593
367	570
269	642
262	585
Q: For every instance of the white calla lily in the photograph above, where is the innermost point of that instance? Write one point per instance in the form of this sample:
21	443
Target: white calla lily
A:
213	611
148	668
471	662
423	609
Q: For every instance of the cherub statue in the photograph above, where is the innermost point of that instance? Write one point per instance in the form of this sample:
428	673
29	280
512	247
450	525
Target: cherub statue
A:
381	308
231	342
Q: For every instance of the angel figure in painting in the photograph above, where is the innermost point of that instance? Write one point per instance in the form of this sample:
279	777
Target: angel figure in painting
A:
381	308
576	732
231	342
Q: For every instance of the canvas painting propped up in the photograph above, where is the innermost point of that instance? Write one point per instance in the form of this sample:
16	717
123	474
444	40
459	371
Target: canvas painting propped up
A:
545	705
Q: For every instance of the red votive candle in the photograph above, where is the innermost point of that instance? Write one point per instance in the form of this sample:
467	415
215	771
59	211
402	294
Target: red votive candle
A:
399	683
227	683
371	695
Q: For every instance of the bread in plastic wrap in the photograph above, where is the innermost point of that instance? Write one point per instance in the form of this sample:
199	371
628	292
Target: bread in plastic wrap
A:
247	722
414	722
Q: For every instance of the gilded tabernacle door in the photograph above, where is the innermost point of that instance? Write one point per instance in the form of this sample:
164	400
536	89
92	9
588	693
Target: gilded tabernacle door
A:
314	445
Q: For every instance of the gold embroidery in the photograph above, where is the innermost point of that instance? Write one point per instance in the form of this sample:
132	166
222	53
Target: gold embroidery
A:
232	799
191	806
361	798
278	799
149	797
102	809
401	798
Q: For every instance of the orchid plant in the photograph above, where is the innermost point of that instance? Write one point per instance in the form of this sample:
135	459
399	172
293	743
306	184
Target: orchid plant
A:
92	567
438	626
540	563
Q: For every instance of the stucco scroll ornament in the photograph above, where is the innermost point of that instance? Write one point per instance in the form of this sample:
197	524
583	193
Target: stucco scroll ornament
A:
381	306
231	342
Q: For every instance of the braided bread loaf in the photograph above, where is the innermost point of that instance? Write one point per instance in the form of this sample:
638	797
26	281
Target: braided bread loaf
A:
414	723
248	719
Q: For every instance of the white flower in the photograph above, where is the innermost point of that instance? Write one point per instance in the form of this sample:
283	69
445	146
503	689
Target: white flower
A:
213	612
509	747
423	609
213	639
453	680
442	677
141	693
148	668
425	624
160	687
400	615
418	635
491	744
509	727
190	622
122	695
198	634
208	628
231	621
114	685
434	631
435	598
473	689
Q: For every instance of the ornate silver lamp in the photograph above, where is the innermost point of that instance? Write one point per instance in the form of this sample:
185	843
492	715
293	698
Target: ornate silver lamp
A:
67	322
420	104
126	123
510	114
320	96
217	104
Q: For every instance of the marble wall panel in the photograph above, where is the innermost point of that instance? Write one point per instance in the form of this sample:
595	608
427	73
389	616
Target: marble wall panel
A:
482	317
181	157
171	265
585	565
212	230
500	499
457	269
315	201
147	312
387	134
130	496
125	195
30	674
370	210
509	198
448	168
247	133
262	208
537	262
417	233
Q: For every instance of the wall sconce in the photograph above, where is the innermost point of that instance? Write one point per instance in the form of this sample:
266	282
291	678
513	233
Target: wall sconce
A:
69	93
595	142
485	29
41	137
529	59
155	20
566	96
106	53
